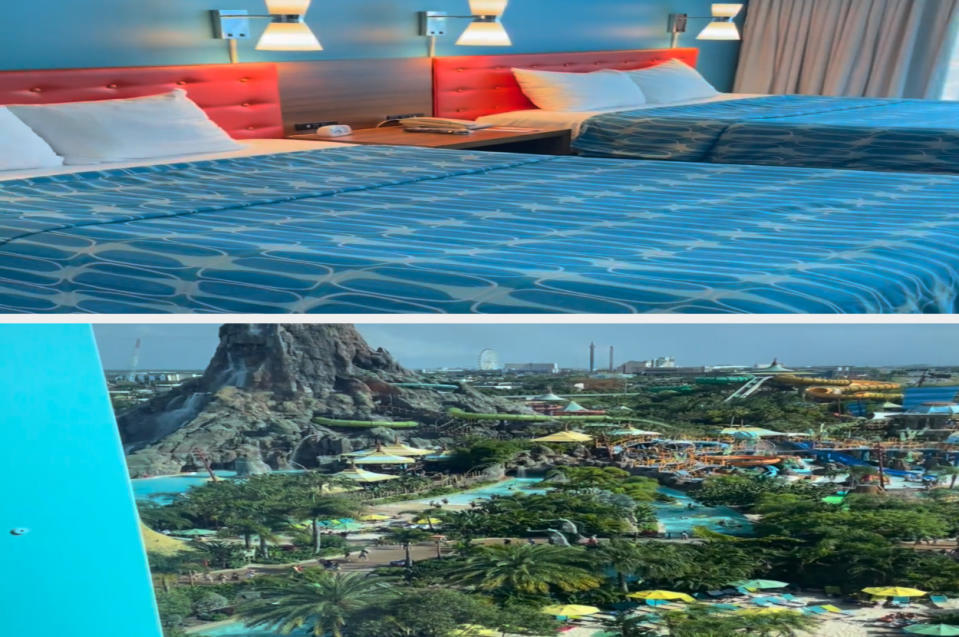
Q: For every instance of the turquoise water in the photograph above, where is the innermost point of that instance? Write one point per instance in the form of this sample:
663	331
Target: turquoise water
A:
676	517
162	488
505	487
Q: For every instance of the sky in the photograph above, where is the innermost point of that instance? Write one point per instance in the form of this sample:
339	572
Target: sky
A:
434	346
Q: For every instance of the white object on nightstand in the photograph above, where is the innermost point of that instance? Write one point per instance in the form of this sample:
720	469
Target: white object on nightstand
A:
335	130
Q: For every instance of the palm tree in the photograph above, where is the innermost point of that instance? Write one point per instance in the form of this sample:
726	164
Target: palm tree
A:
406	538
318	505
624	557
323	601
528	569
944	470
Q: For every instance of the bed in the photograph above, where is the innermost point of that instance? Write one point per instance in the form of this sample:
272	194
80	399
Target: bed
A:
778	130
286	227
408	230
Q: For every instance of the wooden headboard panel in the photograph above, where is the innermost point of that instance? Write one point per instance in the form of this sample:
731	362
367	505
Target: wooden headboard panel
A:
241	98
472	86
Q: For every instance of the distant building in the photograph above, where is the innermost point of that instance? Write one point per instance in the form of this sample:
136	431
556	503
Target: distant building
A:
532	368
638	367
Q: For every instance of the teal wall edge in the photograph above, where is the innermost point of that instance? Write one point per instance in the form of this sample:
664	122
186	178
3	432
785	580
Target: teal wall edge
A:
71	557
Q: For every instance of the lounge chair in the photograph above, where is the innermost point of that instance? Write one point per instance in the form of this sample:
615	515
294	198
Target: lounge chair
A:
831	608
656	602
939	601
815	610
900	601
762	602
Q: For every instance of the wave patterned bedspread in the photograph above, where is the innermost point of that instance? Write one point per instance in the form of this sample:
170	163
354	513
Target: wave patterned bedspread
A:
786	130
378	229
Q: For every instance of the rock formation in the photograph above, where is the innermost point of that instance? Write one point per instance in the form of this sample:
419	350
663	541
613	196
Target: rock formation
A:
255	405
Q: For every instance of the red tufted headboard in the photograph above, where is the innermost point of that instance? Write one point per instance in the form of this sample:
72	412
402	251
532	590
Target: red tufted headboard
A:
244	99
472	86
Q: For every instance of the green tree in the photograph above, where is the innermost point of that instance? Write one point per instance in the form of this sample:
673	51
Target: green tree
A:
518	570
625	557
405	538
317	506
321	601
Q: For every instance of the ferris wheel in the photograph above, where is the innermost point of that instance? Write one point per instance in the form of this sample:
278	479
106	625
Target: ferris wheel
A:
489	360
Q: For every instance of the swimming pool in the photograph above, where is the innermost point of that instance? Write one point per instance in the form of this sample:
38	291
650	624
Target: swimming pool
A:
677	517
162	489
504	487
239	629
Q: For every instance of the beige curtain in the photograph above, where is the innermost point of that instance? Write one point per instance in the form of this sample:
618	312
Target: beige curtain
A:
877	48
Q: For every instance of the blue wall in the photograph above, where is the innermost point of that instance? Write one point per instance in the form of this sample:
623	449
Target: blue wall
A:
81	569
38	34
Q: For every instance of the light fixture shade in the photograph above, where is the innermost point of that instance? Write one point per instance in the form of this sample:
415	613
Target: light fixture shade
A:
726	9
719	31
485	34
488	7
288	36
287	7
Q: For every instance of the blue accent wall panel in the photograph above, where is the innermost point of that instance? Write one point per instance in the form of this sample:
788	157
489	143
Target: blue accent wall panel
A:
79	569
89	33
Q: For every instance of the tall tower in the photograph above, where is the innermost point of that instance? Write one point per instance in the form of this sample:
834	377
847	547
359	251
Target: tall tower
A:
134	363
611	366
592	357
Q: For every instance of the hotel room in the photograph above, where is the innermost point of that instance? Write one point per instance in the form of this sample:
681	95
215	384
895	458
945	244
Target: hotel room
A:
479	156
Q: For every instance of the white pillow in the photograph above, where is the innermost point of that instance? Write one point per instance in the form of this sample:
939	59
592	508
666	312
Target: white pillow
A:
672	81
596	91
21	148
120	130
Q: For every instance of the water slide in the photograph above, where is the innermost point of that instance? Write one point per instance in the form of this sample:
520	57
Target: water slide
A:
852	461
843	388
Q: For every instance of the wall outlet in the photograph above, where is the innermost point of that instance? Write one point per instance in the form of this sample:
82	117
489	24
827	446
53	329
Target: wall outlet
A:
396	118
308	126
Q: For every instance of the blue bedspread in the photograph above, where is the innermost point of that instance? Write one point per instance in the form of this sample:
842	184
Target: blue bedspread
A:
378	229
786	130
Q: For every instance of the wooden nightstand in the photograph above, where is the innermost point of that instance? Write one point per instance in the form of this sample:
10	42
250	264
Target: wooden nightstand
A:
542	141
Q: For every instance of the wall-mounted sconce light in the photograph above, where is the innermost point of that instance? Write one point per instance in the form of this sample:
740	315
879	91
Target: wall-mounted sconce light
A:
484	30
286	31
720	26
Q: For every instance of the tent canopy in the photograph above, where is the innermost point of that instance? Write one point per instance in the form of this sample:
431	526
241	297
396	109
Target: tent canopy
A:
564	436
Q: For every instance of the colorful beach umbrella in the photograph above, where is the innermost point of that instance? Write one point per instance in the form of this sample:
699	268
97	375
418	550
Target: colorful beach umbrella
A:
656	594
564	436
932	629
374	517
383	458
429	521
570	610
893	591
362	475
758	584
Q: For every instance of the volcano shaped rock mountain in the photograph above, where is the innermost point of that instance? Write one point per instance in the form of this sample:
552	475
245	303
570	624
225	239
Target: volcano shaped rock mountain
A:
253	409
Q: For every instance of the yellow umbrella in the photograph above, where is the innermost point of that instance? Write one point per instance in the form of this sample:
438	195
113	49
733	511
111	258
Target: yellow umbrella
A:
160	544
661	595
374	517
429	521
564	436
405	450
570	610
893	591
